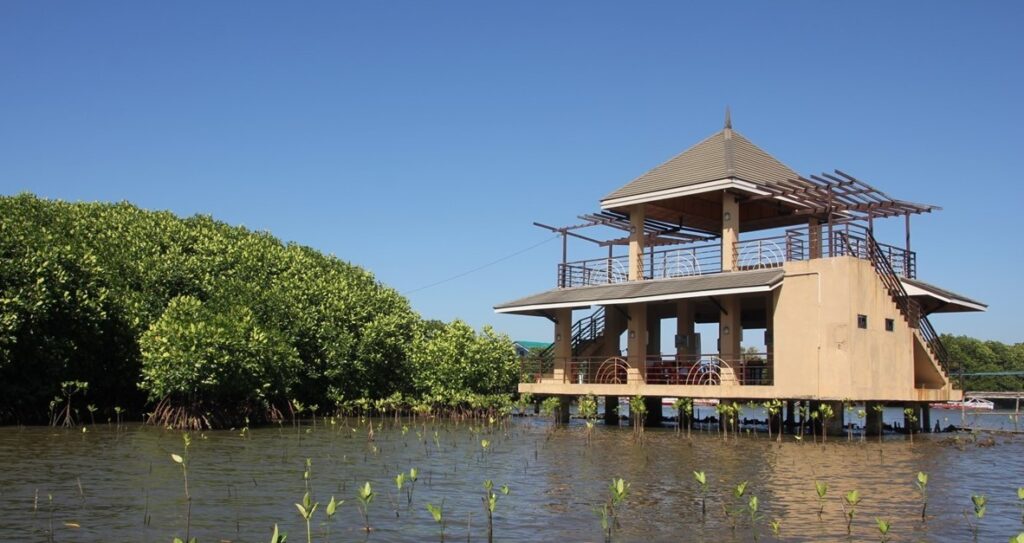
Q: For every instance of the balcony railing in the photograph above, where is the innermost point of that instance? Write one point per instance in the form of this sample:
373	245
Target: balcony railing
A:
748	369
846	239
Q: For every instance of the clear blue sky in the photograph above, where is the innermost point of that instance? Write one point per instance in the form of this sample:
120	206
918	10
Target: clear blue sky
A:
420	140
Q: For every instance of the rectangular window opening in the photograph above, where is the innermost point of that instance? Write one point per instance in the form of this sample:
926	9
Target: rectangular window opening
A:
862	321
890	325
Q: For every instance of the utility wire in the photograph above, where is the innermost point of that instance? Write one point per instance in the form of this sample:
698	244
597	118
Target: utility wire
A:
487	265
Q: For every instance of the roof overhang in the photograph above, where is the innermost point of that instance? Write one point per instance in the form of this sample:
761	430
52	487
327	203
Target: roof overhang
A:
696	188
646	291
936	300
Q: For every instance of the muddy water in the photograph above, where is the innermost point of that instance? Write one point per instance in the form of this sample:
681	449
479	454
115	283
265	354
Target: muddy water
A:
121	485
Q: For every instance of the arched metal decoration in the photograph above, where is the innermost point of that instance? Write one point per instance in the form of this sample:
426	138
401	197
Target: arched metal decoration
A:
708	371
612	371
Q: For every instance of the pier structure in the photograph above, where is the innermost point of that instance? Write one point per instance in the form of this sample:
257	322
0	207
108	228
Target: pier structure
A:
775	281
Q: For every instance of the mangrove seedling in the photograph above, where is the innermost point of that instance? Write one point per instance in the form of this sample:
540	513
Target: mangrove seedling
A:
879	409
182	460
826	415
821	487
883	528
637	414
365	497
776	527
438	514
850	501
588	410
684	410
737	494
979	501
490	500
1020	501
609	511
922	489
702	486
277	537
752	507
861	415
332	508
773	408
306	510
413	475
1019	538
911	418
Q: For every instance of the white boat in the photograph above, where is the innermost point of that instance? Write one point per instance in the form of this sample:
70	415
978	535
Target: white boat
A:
977	404
699	402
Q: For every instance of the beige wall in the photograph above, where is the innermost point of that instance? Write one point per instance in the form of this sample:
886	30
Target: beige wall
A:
819	352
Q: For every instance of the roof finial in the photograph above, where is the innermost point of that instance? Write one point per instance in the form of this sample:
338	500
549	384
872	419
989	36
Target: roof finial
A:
728	119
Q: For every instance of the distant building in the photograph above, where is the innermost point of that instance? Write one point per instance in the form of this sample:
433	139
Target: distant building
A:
725	234
523	348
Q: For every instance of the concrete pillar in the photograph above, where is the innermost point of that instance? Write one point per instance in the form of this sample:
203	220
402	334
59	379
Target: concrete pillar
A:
790	417
730	230
925	418
637	342
814	237
611	410
653	332
614	324
871	423
685	328
563	343
653	416
835	425
562	413
636	243
730	330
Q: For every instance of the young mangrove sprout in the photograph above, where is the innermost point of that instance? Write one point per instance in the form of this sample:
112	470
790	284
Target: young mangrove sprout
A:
826	415
1020	502
821	487
637	414
490	500
911	418
979	501
413	475
861	415
276	537
922	489
182	460
850	501
684	410
588	410
702	487
775	525
879	409
883	528
752	507
365	497
609	510
332	508
438	514
306	510
773	408
737	494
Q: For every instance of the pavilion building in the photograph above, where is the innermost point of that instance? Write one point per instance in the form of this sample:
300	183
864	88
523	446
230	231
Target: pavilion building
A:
724	234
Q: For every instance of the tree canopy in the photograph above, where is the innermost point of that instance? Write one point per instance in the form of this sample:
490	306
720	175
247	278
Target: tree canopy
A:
149	307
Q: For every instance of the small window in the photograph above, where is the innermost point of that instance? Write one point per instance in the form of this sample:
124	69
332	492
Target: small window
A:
862	321
890	325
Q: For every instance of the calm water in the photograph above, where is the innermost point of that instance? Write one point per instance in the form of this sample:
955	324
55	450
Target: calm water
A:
241	486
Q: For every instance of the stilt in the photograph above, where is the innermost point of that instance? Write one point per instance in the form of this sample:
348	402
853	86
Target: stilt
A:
611	410
653	417
562	414
872	424
926	418
790	417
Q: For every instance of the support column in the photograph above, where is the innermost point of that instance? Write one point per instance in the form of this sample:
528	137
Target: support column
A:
637	342
562	414
814	238
563	343
636	243
790	417
873	420
614	324
729	331
685	329
730	230
611	410
653	416
836	425
925	418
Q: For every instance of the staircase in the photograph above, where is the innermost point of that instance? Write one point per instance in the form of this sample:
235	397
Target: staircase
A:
586	332
910	309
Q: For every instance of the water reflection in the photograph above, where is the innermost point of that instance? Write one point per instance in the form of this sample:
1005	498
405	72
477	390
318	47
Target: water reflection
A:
243	485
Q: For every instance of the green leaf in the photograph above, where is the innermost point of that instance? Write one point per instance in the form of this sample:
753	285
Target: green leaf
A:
177	458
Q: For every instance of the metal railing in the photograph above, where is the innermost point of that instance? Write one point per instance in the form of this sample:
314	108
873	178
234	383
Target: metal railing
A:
795	244
602	370
747	369
536	367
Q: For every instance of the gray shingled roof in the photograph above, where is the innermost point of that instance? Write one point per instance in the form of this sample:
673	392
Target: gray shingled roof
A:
723	155
683	286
